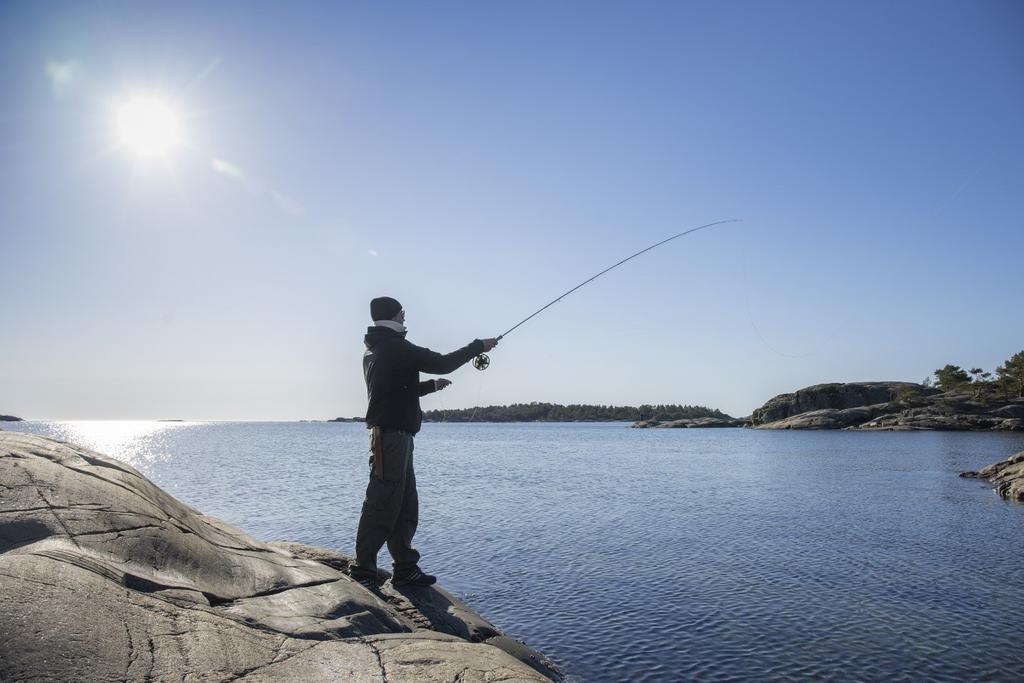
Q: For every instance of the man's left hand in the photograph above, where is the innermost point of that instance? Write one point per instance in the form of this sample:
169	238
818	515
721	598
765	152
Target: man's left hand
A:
441	383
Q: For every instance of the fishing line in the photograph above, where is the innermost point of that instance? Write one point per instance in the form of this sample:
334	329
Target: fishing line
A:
479	393
444	408
757	330
938	207
482	361
446	411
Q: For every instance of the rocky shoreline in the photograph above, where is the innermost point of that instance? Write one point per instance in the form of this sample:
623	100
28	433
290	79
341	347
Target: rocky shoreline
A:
871	406
694	423
104	576
888	406
1007	477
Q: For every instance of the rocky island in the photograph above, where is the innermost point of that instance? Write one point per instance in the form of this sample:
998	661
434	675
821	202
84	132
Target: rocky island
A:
959	399
891	406
10	418
575	412
691	423
104	576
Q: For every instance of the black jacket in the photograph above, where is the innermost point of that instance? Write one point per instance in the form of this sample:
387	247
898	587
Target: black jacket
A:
392	367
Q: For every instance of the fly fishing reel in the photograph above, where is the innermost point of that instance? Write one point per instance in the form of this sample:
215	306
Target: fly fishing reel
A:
482	361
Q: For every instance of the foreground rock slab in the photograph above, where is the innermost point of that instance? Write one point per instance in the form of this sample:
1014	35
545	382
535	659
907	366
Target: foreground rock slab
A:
1007	476
104	576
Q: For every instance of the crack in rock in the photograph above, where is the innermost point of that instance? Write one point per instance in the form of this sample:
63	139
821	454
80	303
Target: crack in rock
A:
277	659
152	659
31	580
60	521
132	652
380	660
119	532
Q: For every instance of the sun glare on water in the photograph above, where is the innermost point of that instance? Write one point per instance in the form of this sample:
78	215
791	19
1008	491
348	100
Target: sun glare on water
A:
148	126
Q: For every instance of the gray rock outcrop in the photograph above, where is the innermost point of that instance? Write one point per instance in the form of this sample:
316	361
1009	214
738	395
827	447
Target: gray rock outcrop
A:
889	406
942	418
828	418
834	396
1007	476
104	576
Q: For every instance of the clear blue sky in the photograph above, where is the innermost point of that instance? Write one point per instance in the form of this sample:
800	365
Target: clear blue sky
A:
476	160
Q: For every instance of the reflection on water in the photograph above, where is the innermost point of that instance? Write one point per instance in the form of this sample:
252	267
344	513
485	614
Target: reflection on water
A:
656	555
135	442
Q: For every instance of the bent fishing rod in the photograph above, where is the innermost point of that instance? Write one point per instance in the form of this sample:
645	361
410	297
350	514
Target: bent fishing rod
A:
482	361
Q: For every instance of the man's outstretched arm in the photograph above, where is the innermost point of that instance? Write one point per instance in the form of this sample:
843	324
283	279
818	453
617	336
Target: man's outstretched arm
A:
436	363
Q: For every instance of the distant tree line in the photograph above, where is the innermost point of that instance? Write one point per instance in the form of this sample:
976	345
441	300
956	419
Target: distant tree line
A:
554	412
1008	382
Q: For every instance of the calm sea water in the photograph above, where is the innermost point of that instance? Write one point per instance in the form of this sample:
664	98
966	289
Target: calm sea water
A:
656	555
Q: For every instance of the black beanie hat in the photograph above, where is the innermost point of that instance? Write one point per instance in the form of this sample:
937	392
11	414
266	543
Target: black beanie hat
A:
384	308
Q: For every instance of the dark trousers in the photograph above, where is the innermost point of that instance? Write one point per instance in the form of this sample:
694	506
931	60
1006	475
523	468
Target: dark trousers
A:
391	508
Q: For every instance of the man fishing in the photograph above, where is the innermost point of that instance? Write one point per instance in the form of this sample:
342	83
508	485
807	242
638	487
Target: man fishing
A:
391	367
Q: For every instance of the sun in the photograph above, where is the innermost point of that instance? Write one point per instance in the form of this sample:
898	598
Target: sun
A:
148	125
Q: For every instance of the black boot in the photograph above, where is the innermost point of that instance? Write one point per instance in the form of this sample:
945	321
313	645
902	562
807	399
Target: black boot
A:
414	576
368	580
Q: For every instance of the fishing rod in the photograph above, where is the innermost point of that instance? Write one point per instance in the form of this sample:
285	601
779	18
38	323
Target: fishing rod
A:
482	361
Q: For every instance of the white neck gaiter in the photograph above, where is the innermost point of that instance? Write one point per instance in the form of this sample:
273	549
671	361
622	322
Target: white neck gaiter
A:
391	325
